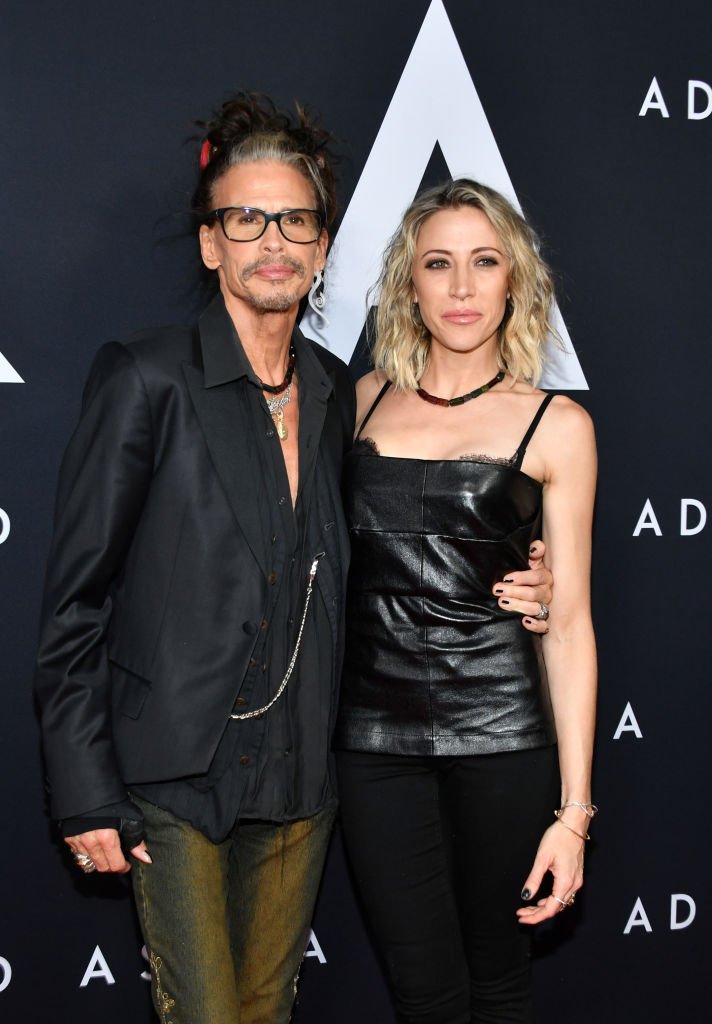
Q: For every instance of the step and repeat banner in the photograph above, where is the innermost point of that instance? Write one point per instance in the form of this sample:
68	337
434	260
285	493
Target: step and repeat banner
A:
597	120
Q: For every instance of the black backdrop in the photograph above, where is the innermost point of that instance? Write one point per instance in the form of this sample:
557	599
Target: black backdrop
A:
98	103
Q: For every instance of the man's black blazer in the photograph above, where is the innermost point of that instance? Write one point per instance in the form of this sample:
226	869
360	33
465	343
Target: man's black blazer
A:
156	583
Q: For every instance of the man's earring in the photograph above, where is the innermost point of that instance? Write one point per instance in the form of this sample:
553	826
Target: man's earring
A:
316	297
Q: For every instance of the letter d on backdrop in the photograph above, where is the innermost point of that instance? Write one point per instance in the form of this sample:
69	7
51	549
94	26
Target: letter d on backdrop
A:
677	898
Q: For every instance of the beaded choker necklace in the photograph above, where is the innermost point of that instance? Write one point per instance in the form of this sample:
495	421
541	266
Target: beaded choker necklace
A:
461	399
277	389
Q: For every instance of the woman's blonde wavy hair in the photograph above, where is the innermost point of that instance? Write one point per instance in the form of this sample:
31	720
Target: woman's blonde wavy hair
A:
402	343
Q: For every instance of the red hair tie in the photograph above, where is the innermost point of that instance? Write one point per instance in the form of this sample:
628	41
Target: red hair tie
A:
207	152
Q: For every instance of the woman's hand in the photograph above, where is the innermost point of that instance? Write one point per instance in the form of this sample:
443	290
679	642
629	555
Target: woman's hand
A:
561	854
525	592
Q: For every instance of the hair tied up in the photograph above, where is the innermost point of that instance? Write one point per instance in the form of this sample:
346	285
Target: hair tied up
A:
207	152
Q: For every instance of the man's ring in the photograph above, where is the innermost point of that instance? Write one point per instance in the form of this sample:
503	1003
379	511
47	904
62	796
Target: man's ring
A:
543	612
85	862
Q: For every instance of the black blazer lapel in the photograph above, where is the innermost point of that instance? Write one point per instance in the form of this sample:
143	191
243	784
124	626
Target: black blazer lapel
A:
220	413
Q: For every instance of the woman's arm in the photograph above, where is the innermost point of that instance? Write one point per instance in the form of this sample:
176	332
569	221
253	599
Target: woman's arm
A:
569	647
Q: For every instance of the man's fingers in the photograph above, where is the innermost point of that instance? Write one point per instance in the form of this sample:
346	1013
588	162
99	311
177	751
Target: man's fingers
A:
520	606
539	626
102	847
105	850
529	608
537	551
141	853
527	578
522	590
532	587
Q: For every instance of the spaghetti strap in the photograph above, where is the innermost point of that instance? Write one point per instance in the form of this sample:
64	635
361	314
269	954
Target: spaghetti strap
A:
370	412
522	449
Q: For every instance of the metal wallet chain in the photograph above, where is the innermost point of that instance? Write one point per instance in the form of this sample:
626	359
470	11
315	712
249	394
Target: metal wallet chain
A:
293	659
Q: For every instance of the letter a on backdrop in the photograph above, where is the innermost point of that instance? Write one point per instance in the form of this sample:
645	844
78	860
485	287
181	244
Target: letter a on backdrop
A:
418	119
8	374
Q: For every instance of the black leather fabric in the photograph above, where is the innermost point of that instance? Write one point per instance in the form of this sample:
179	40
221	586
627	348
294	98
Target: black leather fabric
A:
433	665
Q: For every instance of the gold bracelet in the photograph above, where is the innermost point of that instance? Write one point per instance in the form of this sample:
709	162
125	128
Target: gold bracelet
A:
557	815
588	809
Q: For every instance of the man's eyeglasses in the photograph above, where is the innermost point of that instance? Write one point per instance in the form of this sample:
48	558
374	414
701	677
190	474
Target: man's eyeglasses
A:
245	224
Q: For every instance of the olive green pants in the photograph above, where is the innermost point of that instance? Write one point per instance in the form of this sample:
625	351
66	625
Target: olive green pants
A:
226	924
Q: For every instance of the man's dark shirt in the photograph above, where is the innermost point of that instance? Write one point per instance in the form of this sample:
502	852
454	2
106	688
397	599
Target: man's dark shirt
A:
274	767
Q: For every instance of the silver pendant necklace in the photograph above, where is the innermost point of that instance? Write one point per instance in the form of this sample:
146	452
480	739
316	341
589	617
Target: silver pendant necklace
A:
276	408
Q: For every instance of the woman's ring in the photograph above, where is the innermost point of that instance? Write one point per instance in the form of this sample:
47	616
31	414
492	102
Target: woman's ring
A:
543	612
85	862
564	903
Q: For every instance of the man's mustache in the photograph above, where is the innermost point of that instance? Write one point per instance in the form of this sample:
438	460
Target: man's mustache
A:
267	261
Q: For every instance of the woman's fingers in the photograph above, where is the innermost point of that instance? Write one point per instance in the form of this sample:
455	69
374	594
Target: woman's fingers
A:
562	859
546	908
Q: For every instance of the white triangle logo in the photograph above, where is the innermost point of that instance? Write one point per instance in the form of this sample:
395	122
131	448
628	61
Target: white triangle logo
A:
8	374
418	119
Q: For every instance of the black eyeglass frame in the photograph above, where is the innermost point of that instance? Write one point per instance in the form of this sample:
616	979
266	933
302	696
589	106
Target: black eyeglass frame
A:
219	214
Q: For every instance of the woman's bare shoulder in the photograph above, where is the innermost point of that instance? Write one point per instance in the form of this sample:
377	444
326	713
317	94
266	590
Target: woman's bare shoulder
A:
565	414
567	441
367	388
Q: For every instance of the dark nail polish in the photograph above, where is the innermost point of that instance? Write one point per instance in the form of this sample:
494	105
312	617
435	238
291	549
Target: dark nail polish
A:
532	549
508	579
528	622
526	894
499	590
504	601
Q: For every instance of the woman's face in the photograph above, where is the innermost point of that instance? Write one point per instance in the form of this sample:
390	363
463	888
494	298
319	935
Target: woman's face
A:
460	279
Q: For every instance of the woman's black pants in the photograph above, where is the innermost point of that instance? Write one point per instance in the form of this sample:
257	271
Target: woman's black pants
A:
440	848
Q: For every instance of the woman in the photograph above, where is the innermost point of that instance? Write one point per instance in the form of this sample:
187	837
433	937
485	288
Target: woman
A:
454	749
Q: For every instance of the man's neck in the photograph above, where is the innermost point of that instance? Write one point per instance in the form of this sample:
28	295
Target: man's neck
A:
265	337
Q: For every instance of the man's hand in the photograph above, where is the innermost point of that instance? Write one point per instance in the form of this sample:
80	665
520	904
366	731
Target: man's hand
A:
525	592
103	848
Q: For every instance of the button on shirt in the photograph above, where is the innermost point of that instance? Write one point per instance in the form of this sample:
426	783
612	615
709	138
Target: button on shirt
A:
274	767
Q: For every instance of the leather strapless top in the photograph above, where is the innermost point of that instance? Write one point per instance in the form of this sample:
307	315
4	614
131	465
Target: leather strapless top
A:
433	664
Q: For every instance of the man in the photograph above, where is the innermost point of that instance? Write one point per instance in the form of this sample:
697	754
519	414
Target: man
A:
192	628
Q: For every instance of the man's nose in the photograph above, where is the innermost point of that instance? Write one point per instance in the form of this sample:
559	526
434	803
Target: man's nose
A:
272	237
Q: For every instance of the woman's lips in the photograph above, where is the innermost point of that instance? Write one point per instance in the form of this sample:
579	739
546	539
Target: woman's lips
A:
462	316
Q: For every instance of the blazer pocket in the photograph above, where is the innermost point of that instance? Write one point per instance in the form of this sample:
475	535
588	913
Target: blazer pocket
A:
130	691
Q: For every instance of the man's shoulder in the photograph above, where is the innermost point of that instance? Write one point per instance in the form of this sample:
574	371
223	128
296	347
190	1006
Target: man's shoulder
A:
160	346
151	359
344	395
329	360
